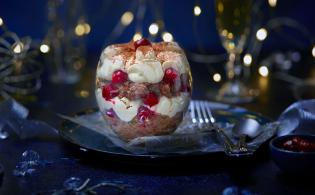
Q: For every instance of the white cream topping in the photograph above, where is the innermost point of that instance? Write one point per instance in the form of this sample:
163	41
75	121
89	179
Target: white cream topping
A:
149	71
171	106
179	63
102	103
110	51
108	66
150	54
125	109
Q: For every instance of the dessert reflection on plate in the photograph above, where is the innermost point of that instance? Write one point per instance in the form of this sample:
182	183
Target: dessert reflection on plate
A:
143	88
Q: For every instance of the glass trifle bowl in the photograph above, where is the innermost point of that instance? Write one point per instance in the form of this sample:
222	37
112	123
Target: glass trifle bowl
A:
143	88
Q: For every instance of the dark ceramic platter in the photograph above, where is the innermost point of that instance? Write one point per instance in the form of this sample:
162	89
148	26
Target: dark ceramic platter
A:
90	141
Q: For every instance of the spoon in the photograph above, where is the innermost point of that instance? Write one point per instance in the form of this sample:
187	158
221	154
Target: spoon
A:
246	127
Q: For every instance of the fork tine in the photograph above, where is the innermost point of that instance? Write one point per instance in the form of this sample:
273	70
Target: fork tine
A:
192	111
204	112
207	106
198	108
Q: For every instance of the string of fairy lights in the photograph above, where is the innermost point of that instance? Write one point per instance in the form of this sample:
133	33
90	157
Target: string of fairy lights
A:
261	35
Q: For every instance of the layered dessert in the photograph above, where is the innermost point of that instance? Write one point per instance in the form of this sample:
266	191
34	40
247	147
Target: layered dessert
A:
143	88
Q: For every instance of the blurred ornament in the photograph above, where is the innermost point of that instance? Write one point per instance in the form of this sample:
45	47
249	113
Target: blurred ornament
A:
19	71
64	45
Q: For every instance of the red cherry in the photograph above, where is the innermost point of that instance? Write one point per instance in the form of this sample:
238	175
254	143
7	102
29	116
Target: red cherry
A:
119	76
170	76
141	42
110	91
144	113
110	113
151	99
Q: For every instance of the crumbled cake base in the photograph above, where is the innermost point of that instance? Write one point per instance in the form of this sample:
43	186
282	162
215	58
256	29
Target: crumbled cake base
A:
156	125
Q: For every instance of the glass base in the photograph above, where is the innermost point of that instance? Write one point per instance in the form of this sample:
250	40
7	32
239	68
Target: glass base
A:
236	92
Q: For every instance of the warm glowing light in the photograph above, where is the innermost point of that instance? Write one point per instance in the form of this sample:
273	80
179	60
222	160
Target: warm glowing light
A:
79	30
230	35
197	10
44	48
220	7
231	45
247	59
137	36
18	47
1	21
87	28
263	71
126	18
313	51
272	3
154	28
84	93
217	77
261	34
224	32
168	37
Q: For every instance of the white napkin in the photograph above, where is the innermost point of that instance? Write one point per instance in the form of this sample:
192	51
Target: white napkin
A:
298	118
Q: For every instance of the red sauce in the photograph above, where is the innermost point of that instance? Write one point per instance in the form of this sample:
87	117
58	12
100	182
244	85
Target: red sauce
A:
298	144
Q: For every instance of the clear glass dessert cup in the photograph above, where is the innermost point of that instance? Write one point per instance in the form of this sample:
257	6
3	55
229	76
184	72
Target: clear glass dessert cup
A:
143	88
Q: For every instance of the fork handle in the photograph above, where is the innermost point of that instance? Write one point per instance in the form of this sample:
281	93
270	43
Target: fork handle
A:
229	145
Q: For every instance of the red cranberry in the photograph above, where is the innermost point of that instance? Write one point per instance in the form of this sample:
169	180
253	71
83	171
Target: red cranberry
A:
144	113
119	76
110	113
141	42
170	76
298	144
151	99
110	91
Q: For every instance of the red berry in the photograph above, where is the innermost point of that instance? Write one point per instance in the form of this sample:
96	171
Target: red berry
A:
150	99
110	113
110	91
170	76
141	42
144	113
119	76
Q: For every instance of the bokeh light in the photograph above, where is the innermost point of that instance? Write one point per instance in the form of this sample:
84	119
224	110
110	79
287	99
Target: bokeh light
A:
217	77
272	3
263	71
167	37
261	34
126	18
154	28
44	48
247	59
197	10
137	36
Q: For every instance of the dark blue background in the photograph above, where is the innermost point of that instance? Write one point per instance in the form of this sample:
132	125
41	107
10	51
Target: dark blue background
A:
30	18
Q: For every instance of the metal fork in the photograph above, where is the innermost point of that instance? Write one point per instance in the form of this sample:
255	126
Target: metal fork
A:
200	113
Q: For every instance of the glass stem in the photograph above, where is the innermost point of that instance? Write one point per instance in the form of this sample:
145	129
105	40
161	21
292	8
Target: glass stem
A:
233	67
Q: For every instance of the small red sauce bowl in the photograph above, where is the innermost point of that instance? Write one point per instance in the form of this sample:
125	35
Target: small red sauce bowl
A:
293	159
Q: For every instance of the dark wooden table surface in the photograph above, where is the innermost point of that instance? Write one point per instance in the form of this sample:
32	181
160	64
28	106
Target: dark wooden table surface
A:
194	175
